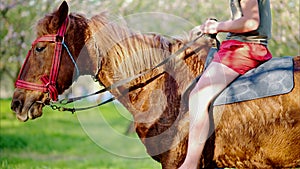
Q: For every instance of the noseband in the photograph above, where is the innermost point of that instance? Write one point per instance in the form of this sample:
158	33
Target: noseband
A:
48	82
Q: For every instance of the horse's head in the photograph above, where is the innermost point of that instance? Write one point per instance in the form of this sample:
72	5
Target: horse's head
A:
48	68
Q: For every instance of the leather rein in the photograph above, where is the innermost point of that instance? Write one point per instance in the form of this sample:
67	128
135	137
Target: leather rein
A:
60	104
49	83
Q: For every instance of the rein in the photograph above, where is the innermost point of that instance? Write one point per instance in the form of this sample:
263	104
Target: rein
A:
49	82
56	106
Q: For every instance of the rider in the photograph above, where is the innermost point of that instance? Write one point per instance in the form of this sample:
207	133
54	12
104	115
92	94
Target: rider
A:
245	48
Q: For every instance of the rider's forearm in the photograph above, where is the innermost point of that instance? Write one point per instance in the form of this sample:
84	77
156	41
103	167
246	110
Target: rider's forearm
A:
241	25
249	21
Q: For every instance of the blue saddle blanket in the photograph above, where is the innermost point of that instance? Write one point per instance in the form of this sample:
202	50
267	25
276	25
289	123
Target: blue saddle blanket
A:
274	77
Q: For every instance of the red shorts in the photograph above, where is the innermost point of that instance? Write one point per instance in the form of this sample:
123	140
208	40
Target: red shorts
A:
242	56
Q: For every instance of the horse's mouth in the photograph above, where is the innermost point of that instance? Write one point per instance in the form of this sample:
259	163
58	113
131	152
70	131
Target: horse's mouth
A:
28	105
32	112
22	117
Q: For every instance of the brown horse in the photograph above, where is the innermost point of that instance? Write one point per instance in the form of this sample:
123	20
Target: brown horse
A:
262	133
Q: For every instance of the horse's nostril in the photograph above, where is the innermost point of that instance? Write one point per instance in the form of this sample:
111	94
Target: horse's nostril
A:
16	104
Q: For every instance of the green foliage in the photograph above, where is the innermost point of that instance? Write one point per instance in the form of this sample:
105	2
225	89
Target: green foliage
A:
57	140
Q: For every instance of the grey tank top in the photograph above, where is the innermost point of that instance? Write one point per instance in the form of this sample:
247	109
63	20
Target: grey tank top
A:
263	33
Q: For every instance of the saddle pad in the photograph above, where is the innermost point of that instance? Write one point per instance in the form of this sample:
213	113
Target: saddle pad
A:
274	77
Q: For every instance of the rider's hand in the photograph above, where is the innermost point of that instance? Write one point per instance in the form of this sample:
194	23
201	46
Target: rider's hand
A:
209	27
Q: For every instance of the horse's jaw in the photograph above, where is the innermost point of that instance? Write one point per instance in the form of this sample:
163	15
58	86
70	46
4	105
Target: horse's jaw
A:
28	104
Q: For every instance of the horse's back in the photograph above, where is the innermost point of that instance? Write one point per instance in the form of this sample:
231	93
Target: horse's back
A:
260	133
297	64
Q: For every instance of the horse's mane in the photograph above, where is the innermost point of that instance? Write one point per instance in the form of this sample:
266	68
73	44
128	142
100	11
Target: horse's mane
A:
128	52
133	51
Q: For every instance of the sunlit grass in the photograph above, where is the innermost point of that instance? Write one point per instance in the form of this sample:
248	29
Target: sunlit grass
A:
59	140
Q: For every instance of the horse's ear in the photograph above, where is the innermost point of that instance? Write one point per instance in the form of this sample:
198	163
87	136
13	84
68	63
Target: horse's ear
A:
60	16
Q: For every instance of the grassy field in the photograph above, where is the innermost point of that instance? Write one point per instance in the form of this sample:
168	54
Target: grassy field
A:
61	140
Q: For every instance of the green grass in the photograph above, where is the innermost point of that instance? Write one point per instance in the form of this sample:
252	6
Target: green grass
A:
61	140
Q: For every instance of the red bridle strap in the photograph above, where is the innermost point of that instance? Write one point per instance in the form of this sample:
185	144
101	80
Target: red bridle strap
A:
49	82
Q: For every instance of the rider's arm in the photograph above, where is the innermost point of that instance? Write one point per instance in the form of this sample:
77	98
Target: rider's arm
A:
248	22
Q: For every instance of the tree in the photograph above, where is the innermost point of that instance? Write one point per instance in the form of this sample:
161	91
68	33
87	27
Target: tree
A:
17	20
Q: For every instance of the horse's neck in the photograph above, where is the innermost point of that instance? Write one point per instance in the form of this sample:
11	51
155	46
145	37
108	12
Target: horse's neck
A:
124	54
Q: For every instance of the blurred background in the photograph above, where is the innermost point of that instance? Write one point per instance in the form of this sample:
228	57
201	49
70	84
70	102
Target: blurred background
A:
18	17
36	144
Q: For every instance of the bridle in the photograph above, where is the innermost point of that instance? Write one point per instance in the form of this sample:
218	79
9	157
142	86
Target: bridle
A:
48	82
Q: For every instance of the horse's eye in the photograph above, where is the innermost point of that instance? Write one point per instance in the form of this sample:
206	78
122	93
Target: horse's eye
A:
39	49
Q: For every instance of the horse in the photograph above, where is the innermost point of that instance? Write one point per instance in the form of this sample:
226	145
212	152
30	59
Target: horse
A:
260	133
